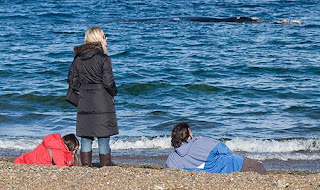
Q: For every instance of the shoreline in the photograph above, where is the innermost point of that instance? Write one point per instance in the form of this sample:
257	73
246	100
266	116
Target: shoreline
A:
20	176
136	158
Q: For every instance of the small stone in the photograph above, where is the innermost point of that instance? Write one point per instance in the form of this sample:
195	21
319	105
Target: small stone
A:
282	184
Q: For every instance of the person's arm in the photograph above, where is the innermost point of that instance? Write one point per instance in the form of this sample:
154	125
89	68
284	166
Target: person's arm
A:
107	76
170	163
20	159
60	158
73	79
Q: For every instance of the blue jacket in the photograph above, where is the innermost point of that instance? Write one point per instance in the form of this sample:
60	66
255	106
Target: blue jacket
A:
204	154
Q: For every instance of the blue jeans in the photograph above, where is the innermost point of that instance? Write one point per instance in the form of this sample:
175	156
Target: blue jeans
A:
104	147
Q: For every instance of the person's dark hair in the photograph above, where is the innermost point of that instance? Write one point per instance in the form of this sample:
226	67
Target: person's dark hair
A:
179	134
71	141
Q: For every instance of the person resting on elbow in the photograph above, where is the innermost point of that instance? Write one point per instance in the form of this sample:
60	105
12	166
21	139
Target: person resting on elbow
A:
206	154
53	150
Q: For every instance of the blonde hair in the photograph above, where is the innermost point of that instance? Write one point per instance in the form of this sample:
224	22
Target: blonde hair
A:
76	160
94	35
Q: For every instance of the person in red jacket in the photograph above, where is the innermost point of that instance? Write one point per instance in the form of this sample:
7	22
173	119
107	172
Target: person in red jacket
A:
53	150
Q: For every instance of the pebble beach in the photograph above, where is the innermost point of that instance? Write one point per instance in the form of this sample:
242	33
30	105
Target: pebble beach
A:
17	176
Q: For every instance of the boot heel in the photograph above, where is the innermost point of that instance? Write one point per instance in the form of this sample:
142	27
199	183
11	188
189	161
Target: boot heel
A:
105	159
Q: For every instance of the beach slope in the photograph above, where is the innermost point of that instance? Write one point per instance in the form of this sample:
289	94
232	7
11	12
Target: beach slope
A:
15	176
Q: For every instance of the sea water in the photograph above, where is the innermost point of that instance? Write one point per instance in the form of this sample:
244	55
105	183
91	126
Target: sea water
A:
254	86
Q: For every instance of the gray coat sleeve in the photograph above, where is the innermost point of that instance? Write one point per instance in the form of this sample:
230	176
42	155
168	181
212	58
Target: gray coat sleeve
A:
73	79
108	79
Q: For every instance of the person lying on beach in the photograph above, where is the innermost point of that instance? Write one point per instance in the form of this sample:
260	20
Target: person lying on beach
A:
206	154
53	150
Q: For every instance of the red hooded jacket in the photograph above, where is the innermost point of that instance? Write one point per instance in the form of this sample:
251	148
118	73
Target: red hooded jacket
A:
40	155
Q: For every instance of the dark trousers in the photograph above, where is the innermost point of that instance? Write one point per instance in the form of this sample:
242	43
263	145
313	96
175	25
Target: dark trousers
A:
250	165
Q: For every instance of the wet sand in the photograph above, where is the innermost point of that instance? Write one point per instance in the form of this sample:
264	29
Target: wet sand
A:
17	176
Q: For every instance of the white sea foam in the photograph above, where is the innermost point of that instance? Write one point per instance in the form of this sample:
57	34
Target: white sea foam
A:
284	156
119	144
287	145
141	143
238	144
19	144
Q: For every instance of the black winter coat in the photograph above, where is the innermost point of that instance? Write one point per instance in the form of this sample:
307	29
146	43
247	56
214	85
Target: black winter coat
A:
91	73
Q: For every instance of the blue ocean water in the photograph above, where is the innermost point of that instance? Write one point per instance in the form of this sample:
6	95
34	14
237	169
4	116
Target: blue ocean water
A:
255	86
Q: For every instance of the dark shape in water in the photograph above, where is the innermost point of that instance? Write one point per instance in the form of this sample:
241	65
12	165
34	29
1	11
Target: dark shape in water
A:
198	19
230	19
212	19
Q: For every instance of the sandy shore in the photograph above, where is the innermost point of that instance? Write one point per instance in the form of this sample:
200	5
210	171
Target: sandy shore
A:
14	176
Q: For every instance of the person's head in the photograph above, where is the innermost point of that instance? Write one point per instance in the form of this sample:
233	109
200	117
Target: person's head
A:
71	142
96	35
180	133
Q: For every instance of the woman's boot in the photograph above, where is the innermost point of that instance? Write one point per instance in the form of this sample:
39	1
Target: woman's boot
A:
105	159
86	158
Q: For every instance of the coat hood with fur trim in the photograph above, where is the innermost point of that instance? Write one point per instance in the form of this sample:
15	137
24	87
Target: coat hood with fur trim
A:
86	51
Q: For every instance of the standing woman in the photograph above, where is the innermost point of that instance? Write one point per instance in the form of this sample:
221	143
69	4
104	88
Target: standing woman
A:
91	74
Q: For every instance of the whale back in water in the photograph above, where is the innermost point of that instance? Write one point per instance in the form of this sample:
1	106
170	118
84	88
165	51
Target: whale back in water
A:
212	19
198	19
